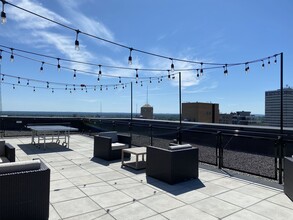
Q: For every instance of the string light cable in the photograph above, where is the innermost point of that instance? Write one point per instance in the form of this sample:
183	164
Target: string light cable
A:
201	69
131	49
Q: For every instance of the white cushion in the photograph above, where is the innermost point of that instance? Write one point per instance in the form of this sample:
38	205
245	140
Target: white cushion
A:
2	148
20	166
118	146
182	146
111	134
4	160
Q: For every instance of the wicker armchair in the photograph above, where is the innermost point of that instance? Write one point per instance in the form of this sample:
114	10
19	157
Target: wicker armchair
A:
24	193
288	177
108	145
7	152
172	165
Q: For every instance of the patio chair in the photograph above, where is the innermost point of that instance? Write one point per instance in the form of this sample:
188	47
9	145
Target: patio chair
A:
108	145
288	177
25	188
7	152
174	164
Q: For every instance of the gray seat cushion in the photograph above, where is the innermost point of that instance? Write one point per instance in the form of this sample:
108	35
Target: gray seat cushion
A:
20	166
111	134
4	160
179	147
118	146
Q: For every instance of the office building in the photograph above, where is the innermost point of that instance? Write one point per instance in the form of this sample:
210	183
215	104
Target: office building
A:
147	111
273	107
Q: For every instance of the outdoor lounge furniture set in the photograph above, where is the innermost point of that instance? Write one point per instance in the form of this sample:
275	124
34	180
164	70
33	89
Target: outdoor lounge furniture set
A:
172	165
288	177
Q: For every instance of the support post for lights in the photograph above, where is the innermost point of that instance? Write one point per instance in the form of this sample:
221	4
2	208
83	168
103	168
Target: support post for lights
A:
180	112
131	109
281	144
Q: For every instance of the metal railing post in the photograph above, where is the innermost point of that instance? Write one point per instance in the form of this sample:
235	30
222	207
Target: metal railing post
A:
219	150
151	134
130	132
281	157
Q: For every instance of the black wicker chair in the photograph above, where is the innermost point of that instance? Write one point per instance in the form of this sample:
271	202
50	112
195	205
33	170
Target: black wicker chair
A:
172	165
7	152
108	145
25	194
288	177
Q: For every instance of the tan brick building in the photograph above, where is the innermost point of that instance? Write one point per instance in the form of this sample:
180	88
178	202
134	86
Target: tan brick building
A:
200	112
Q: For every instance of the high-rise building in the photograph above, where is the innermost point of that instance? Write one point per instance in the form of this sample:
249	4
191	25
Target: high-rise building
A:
273	107
200	112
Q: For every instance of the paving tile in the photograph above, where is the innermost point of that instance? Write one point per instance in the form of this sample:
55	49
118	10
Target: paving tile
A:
188	212
60	184
209	176
140	192
212	189
132	211
65	194
257	191
124	183
100	214
161	202
282	200
73	171
84	180
272	211
245	215
75	207
111	199
113	175
56	176
189	196
53	215
156	217
216	207
237	198
96	188
230	183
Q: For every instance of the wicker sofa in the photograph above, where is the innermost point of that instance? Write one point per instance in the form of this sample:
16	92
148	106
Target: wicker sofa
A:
172	165
108	145
25	190
7	152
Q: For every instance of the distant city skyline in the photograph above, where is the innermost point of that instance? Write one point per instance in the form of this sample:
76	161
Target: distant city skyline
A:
202	31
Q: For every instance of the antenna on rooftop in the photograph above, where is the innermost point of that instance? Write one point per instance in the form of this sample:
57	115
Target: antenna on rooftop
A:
147	98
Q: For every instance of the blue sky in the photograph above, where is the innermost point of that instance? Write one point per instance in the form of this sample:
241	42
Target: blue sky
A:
227	31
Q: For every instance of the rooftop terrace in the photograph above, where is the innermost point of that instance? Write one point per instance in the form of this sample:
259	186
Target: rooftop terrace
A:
83	187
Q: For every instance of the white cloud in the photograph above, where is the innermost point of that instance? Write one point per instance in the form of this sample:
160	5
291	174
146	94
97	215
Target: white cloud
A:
29	21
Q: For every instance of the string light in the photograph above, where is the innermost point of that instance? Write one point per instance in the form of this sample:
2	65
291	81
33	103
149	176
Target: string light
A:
3	14
18	81
47	85
172	65
58	65
34	89
1	55
12	55
42	67
13	86
269	61
28	82
201	69
2	77
100	70
98	79
52	90
246	68
150	80
119	79
74	74
169	76
130	57
136	75
197	74
263	64
76	40
275	59
141	83
225	70
101	88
